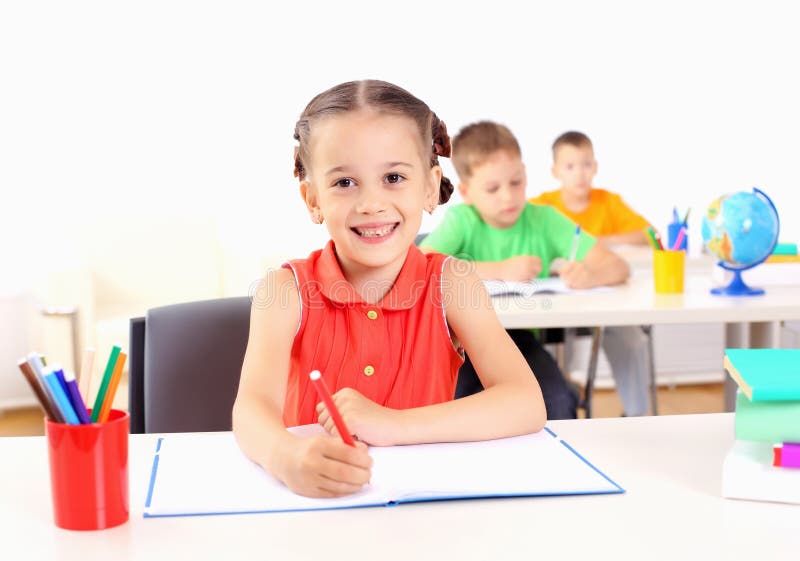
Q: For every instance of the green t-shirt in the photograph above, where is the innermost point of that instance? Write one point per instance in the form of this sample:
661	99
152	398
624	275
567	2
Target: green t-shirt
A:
540	230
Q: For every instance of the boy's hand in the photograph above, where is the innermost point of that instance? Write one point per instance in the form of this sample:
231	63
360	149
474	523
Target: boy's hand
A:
520	268
325	467
368	421
576	274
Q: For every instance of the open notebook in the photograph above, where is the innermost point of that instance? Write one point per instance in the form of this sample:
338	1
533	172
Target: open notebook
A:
550	285
206	473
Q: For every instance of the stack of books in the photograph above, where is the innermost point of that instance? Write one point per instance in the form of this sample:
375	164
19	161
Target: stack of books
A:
764	463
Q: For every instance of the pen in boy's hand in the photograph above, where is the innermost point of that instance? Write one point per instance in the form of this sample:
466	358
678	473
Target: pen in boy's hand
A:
325	395
573	252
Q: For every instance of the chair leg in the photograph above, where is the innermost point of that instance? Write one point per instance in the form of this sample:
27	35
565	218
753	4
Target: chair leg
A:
648	330
597	340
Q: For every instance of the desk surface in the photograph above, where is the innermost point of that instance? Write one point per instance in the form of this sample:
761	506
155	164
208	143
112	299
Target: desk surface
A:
670	466
637	303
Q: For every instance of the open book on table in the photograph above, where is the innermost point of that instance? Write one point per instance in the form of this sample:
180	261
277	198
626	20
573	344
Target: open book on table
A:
206	473
550	285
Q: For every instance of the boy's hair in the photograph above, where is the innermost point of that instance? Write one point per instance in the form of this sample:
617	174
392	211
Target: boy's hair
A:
571	138
476	142
382	97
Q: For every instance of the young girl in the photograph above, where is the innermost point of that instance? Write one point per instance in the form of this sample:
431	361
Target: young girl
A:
385	324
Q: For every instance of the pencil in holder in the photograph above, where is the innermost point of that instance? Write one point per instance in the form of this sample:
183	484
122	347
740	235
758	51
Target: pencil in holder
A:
89	472
668	271
673	230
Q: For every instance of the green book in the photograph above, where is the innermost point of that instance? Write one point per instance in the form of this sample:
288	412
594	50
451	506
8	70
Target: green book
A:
765	374
785	249
773	421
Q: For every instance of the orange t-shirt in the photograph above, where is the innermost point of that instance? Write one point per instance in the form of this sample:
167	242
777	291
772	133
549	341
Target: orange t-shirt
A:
606	215
398	352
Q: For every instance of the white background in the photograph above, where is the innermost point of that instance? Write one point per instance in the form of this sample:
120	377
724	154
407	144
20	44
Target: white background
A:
160	107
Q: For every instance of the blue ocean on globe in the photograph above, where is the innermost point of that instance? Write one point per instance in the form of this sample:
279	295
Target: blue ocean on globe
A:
741	229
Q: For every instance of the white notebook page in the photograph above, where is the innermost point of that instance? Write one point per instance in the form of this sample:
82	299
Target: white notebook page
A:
207	473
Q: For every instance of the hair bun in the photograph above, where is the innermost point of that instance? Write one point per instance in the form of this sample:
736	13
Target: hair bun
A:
441	140
445	190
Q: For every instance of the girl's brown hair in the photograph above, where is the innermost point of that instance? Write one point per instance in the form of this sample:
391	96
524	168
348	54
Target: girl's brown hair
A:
383	97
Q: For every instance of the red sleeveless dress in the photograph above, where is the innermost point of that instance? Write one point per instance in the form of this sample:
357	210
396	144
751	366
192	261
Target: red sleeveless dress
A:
397	352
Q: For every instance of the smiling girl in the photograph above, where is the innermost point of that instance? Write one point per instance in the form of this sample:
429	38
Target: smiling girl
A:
385	324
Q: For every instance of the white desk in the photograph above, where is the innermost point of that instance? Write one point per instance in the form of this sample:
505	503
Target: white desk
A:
670	467
636	303
751	322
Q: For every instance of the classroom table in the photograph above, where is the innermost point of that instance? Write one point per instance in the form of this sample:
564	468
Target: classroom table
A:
750	322
670	467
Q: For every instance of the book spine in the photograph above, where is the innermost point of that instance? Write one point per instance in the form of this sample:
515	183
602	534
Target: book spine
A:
774	421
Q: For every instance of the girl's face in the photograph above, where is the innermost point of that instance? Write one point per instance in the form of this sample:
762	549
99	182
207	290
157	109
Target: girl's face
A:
370	179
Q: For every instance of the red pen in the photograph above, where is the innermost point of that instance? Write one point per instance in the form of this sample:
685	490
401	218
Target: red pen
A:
324	393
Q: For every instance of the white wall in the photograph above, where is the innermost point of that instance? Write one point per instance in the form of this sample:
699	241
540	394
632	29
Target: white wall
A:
188	107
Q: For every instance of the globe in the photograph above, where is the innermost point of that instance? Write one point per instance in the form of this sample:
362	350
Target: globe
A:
741	229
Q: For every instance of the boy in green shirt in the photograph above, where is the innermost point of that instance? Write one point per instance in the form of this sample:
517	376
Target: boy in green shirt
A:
511	239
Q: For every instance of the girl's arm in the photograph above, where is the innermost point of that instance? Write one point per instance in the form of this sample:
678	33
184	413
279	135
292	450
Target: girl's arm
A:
511	403
319	466
600	267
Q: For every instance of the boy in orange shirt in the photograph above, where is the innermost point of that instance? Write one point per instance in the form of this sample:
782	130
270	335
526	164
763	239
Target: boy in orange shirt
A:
606	216
599	212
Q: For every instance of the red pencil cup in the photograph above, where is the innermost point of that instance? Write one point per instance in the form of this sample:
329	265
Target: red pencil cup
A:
89	472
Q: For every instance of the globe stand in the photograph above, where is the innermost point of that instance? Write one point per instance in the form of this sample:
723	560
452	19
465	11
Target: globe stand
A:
737	287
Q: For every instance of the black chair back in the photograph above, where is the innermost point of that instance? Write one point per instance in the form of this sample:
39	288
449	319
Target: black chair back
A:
185	362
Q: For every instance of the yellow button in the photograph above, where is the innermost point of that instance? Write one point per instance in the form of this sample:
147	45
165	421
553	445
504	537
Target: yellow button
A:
369	370
372	314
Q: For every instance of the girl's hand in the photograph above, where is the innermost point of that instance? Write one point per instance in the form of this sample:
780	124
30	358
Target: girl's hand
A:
576	274
520	268
368	421
325	467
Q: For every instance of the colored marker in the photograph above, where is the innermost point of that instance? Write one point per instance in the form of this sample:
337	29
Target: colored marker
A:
30	376
651	234
105	409
679	239
86	373
686	216
573	252
101	393
325	395
59	372
674	215
74	395
61	398
658	241
35	362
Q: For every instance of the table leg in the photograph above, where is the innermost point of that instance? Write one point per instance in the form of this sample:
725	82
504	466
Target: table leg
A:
736	337
597	340
648	330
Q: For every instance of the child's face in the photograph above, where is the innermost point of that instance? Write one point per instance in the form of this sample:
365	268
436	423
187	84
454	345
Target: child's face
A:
496	189
575	167
370	180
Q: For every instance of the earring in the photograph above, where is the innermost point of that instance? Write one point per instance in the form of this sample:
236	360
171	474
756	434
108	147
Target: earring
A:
316	217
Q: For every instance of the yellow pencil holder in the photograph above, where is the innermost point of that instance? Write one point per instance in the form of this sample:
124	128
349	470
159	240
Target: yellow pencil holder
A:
668	271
